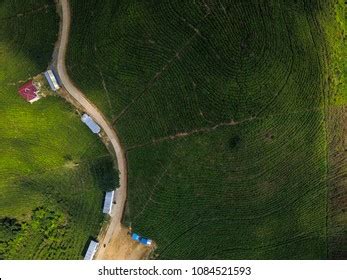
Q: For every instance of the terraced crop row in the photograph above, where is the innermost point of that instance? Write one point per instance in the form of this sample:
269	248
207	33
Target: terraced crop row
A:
221	106
251	58
235	189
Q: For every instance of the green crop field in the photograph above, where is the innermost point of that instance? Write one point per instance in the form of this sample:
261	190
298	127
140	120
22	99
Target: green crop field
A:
53	170
222	107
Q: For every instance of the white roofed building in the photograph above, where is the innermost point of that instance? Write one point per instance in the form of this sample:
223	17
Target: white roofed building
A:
107	209
93	126
93	246
52	80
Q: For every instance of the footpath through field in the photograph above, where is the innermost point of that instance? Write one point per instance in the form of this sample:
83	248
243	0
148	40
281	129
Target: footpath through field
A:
114	228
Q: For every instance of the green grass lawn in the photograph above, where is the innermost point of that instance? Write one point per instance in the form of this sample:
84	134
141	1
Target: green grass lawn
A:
53	170
221	106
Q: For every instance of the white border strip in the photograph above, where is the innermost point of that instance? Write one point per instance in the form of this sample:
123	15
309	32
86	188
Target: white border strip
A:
267	270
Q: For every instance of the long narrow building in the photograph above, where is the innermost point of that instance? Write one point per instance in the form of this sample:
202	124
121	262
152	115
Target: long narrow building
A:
52	80
93	246
93	126
109	196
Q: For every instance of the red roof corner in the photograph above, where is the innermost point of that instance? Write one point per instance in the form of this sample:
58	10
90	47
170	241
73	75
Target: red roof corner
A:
29	92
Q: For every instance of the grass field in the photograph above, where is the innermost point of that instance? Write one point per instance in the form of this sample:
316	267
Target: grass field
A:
222	107
336	40
53	171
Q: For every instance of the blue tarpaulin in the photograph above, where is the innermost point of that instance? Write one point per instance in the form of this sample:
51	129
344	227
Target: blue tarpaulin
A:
135	237
140	239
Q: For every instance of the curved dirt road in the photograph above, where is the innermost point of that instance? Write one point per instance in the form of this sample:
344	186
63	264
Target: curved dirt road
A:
114	227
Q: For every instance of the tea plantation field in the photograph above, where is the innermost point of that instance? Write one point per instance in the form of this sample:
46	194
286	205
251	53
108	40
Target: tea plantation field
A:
221	106
53	171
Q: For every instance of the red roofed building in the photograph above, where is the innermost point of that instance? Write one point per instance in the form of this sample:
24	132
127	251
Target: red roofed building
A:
29	92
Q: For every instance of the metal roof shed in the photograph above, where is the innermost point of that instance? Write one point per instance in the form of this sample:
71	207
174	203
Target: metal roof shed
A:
52	80
29	92
55	73
108	203
91	123
93	246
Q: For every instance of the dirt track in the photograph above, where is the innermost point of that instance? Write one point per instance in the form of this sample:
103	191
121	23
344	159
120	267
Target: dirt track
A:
114	232
122	248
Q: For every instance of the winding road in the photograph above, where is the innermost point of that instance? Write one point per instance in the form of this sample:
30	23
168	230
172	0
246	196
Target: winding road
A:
114	227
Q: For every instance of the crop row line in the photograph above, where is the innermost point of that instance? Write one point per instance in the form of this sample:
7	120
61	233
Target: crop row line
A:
158	74
216	126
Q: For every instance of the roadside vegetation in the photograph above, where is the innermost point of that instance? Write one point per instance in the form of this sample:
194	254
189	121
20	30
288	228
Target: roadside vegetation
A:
53	170
222	108
335	32
337	132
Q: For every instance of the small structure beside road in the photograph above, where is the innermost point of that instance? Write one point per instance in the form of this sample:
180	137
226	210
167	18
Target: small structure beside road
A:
29	92
93	126
109	196
52	79
36	88
140	239
93	246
